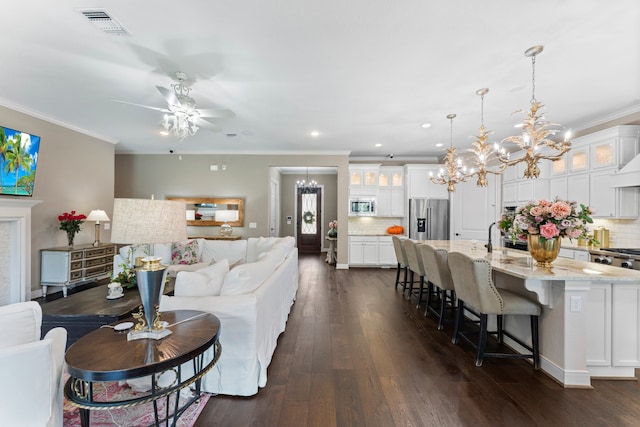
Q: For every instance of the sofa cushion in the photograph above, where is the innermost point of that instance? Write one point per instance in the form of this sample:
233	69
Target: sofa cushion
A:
204	282
257	246
246	278
184	252
174	269
215	250
163	250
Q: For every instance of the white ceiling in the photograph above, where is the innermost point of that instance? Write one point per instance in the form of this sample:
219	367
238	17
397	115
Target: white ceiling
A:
360	71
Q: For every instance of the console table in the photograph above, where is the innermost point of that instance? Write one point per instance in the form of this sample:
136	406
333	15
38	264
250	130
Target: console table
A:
70	265
105	355
85	311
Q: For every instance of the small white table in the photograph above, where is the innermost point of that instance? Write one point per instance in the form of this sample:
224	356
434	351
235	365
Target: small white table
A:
331	253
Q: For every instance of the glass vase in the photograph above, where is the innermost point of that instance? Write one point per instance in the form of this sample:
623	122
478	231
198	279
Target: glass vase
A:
70	236
544	251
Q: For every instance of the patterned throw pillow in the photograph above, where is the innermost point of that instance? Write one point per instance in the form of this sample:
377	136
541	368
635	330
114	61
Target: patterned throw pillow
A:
184	252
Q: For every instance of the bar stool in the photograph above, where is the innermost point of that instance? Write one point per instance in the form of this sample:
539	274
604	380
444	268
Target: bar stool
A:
474	286
436	262
401	257
415	267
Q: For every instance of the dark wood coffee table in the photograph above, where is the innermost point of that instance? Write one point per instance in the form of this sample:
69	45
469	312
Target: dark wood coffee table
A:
85	311
105	355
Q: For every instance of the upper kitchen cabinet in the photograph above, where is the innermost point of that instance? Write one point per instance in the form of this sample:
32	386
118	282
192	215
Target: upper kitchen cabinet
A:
419	185
391	198
578	158
363	179
612	147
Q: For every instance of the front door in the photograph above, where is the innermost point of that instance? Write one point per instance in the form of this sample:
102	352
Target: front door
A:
309	220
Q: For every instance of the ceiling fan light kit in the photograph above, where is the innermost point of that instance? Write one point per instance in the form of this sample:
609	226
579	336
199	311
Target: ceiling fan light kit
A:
181	118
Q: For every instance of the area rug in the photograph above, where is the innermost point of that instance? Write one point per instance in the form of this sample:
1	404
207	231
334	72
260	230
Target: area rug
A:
136	416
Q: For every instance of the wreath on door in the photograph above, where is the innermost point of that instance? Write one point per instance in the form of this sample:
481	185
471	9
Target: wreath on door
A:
308	217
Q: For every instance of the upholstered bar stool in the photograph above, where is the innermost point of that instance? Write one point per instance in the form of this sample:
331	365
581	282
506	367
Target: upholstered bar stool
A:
401	257
415	267
436	262
474	285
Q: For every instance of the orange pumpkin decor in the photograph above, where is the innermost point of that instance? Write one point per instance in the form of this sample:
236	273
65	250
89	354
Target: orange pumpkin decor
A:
395	229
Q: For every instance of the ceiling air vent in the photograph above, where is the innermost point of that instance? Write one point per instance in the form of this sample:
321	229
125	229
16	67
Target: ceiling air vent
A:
232	135
104	22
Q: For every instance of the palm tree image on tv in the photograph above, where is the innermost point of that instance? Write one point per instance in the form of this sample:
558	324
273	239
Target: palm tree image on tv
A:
18	161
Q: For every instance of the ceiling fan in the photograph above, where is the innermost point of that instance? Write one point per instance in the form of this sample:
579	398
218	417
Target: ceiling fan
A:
181	117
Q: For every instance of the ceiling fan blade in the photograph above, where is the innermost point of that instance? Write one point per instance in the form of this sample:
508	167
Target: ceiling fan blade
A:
208	125
216	112
164	110
169	96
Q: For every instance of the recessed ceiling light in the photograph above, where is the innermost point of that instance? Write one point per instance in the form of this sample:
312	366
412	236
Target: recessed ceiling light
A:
314	133
518	125
378	145
164	133
426	125
439	144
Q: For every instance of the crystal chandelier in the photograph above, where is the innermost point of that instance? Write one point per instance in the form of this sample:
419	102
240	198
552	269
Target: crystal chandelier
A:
483	152
536	129
182	122
307	186
454	171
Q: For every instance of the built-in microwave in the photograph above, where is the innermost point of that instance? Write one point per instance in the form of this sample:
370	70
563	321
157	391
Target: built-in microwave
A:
362	206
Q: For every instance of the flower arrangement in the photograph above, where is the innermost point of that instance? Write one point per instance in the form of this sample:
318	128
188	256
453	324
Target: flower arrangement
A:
549	219
198	215
126	277
70	222
333	228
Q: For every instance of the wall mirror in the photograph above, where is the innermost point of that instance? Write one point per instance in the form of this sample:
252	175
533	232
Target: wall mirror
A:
201	211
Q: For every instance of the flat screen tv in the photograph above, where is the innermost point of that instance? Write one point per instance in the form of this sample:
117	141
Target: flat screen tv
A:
18	162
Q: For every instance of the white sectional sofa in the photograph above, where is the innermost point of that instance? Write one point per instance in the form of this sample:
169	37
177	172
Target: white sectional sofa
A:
250	285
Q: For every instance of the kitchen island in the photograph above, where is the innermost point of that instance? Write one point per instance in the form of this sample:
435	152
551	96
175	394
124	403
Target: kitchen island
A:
590	322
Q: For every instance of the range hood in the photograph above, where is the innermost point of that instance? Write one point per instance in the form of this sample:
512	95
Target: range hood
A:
629	175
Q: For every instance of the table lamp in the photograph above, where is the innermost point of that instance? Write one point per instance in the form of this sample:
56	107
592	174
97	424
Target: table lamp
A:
97	215
226	216
144	221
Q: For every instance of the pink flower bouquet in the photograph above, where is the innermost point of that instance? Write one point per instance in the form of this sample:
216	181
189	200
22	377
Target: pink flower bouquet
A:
551	219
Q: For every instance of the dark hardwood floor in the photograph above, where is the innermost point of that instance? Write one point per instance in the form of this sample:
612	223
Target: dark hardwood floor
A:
357	353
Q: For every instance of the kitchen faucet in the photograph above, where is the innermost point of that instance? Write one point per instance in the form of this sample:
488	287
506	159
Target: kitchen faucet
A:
489	246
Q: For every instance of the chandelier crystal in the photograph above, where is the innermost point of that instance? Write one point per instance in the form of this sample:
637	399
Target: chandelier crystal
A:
483	152
454	170
536	130
307	186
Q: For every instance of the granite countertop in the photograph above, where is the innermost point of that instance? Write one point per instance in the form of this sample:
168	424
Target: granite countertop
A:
519	263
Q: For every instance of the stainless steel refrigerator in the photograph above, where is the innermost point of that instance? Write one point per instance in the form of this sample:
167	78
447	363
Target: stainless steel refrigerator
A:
429	219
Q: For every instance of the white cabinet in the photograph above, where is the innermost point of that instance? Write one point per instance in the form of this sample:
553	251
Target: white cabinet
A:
558	188
363	180
579	159
363	250
371	251
391	197
608	202
419	184
391	202
578	187
386	253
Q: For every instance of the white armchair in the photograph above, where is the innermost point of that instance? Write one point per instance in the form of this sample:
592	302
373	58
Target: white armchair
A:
31	369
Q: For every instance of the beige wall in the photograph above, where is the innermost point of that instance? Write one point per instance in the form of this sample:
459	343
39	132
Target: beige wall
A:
75	172
247	176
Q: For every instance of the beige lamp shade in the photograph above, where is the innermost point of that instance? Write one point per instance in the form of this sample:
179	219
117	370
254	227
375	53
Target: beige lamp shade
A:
226	215
148	221
98	215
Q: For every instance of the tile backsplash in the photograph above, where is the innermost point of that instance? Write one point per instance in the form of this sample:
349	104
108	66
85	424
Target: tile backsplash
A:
623	233
369	225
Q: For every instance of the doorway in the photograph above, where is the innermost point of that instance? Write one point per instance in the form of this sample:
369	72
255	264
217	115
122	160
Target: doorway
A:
309	219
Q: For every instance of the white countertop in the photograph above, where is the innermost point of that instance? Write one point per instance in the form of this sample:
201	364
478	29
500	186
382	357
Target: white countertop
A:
520	264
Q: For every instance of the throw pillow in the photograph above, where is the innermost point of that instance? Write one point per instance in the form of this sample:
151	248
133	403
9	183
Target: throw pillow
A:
246	278
184	253
217	250
204	282
258	245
